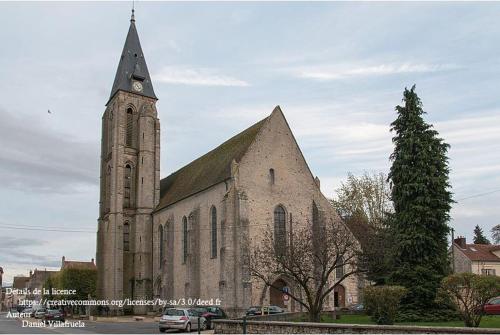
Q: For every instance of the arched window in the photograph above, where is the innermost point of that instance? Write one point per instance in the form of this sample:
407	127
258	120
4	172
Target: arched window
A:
126	237
129	138
271	176
160	244
127	195
339	272
184	240
279	229
213	232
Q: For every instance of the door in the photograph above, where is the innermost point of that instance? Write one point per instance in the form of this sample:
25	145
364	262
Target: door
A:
276	294
339	296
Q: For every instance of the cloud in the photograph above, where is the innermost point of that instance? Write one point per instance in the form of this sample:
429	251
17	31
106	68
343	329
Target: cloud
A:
327	73
34	157
17	251
10	242
471	129
196	77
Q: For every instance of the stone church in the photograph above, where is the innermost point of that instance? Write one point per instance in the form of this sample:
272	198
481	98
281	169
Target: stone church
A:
184	236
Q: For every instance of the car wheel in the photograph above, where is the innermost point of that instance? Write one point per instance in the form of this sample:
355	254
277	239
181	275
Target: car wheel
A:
162	330
188	328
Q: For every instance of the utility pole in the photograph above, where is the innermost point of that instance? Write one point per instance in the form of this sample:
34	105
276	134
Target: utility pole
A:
453	249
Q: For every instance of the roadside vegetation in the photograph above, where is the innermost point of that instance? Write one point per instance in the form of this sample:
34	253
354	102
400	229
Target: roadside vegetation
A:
402	223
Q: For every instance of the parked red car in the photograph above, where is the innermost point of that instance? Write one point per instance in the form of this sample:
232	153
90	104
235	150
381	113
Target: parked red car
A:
492	306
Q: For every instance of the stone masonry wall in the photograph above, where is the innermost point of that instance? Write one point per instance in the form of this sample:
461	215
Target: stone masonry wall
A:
294	188
280	327
201	273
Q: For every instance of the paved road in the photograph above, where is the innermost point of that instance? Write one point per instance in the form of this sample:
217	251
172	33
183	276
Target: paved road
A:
13	326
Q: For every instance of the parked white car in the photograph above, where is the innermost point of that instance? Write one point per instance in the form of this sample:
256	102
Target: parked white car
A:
181	318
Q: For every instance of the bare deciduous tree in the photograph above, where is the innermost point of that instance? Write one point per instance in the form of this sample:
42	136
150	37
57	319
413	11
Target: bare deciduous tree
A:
495	234
309	256
367	195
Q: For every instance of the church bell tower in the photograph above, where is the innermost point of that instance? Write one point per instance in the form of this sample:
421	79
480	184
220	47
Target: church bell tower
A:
130	180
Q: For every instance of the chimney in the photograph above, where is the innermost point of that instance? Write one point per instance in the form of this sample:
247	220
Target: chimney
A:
461	242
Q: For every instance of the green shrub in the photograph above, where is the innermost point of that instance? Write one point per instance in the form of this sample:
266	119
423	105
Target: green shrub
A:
470	292
443	314
382	302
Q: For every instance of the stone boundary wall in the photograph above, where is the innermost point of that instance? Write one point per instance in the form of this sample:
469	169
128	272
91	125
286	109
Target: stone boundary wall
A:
276	317
281	327
296	316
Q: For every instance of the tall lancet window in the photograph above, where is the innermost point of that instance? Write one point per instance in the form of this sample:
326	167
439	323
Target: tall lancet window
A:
126	237
127	187
107	190
161	244
184	240
109	135
129	138
213	232
279	229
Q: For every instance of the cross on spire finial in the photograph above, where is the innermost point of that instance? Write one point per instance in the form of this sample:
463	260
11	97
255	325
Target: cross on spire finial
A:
132	18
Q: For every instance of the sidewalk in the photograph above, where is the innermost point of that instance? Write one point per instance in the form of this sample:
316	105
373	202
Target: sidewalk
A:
125	318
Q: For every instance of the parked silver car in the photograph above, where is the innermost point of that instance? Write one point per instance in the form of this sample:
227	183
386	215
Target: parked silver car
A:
181	318
40	313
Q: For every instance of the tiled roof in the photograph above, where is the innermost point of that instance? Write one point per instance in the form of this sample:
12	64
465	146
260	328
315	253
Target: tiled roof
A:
78	265
210	169
480	252
20	282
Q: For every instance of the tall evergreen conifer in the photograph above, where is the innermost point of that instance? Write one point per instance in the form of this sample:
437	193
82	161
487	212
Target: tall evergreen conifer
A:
422	201
479	237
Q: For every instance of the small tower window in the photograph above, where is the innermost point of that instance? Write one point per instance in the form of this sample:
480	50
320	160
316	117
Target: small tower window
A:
213	232
129	139
126	237
271	176
127	196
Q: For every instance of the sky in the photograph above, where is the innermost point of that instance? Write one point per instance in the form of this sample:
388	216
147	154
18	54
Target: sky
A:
337	70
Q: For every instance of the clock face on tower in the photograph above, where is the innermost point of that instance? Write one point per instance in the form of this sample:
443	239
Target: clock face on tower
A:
137	86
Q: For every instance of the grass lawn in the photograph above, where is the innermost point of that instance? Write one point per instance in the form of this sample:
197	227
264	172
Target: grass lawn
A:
490	321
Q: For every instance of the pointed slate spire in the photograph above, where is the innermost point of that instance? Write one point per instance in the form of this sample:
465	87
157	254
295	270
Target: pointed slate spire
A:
132	66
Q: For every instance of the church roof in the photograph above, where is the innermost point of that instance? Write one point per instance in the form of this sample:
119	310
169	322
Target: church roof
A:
132	66
210	169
